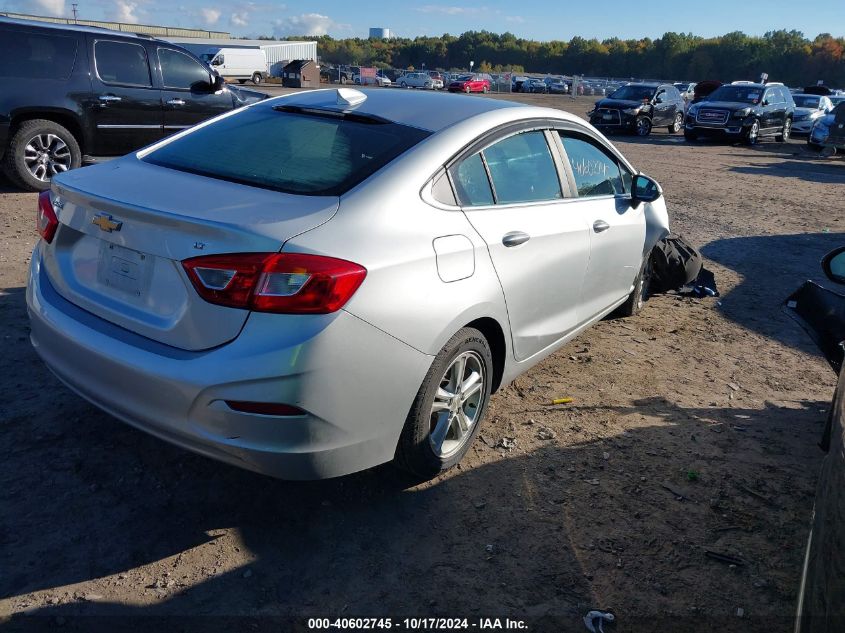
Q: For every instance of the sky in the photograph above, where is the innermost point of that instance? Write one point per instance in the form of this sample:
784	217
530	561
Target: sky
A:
533	19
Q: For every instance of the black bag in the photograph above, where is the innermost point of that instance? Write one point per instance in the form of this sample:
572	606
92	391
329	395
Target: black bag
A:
674	264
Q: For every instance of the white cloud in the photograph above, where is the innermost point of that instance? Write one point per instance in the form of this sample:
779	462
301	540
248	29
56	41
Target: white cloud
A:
210	15
239	18
125	11
51	7
307	24
447	10
515	19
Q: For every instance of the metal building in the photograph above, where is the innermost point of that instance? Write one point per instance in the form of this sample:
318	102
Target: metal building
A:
279	54
379	33
148	29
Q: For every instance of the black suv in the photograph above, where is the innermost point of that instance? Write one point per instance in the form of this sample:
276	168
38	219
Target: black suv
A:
640	107
72	94
742	111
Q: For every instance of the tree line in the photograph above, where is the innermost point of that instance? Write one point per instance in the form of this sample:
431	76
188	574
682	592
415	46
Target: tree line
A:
787	56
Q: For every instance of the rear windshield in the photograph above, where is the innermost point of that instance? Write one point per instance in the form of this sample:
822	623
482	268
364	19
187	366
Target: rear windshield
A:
36	55
634	93
804	101
308	154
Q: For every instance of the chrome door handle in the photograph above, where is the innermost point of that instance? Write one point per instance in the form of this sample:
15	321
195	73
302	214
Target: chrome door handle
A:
600	226
109	98
176	102
515	238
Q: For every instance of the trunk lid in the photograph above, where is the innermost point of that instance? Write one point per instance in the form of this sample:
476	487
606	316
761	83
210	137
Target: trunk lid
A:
125	227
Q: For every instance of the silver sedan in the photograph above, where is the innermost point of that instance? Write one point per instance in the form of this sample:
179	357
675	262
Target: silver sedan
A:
319	283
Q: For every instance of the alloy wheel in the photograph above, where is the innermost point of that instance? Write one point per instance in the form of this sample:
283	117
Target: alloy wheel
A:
457	404
787	129
643	127
46	155
679	121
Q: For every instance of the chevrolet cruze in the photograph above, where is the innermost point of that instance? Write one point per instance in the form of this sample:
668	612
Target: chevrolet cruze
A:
334	279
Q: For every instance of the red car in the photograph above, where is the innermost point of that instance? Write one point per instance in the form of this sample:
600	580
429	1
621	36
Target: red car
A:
470	83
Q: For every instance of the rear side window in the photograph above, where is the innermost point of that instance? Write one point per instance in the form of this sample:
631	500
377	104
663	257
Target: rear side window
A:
471	183
522	169
34	55
122	63
595	172
309	153
180	71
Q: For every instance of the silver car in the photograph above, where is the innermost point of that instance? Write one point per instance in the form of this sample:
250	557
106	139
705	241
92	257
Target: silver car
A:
331	280
416	80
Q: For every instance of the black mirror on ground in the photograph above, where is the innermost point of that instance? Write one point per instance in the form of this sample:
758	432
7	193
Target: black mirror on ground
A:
644	189
833	265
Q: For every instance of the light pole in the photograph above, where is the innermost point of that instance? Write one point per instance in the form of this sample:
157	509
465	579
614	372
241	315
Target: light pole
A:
471	64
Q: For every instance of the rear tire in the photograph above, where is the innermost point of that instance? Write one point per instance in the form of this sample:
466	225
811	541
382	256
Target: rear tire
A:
639	295
677	124
39	149
785	132
467	89
485	90
442	422
257	79
242	81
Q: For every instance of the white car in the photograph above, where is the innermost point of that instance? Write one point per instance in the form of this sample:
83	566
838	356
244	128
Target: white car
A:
416	80
808	109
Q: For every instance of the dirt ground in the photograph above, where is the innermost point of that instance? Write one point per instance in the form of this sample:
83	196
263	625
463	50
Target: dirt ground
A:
693	428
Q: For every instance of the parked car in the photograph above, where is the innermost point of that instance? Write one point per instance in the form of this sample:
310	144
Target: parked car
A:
640	108
534	86
241	64
436	80
821	593
743	111
470	83
703	89
558	87
517	81
686	89
81	93
280	316
828	132
416	80
379	80
808	108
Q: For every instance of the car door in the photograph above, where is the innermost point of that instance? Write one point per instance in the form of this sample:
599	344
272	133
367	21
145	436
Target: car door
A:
602	184
774	110
664	109
187	92
512	194
126	107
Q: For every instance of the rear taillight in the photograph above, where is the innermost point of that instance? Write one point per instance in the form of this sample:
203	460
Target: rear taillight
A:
46	221
291	283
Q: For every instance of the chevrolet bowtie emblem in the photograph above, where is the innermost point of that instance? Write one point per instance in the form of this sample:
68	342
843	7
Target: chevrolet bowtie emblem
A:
106	222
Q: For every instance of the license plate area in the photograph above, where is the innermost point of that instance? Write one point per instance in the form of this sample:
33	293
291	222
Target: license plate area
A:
123	269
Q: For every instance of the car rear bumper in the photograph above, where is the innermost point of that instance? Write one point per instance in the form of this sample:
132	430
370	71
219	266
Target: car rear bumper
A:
355	383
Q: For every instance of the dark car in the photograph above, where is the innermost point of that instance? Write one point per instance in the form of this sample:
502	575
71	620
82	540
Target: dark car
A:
743	111
640	108
73	94
821	595
704	89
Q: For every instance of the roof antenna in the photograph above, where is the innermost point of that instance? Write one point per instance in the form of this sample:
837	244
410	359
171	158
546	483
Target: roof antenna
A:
350	97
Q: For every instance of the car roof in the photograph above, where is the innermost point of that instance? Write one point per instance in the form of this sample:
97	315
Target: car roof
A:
96	30
430	111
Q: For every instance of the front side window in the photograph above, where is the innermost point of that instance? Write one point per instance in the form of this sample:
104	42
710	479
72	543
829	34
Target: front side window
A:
596	173
180	71
122	63
522	169
314	153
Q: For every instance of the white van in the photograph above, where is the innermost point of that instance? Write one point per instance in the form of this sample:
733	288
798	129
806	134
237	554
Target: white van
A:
238	63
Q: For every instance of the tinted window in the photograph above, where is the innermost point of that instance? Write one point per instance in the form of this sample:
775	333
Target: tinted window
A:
595	172
310	154
633	93
36	55
522	169
805	101
180	71
471	182
739	93
122	63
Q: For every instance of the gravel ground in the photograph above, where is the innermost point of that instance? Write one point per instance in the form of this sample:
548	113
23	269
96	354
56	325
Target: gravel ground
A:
693	428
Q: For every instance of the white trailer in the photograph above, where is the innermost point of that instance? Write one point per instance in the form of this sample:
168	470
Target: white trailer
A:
238	63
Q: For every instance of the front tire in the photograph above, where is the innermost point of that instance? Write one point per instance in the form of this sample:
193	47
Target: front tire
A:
639	295
786	132
447	411
642	126
257	79
677	124
485	90
467	89
752	136
39	150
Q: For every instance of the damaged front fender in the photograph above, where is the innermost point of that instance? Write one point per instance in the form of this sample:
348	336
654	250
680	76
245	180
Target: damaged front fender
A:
656	223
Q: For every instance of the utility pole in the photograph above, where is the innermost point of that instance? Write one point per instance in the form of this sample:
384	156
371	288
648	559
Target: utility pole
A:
75	11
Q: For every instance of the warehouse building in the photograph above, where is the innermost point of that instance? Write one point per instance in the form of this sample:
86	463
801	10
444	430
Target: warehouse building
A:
146	29
279	54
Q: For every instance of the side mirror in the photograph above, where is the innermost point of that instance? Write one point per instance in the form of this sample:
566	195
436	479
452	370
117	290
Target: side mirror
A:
833	265
644	189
